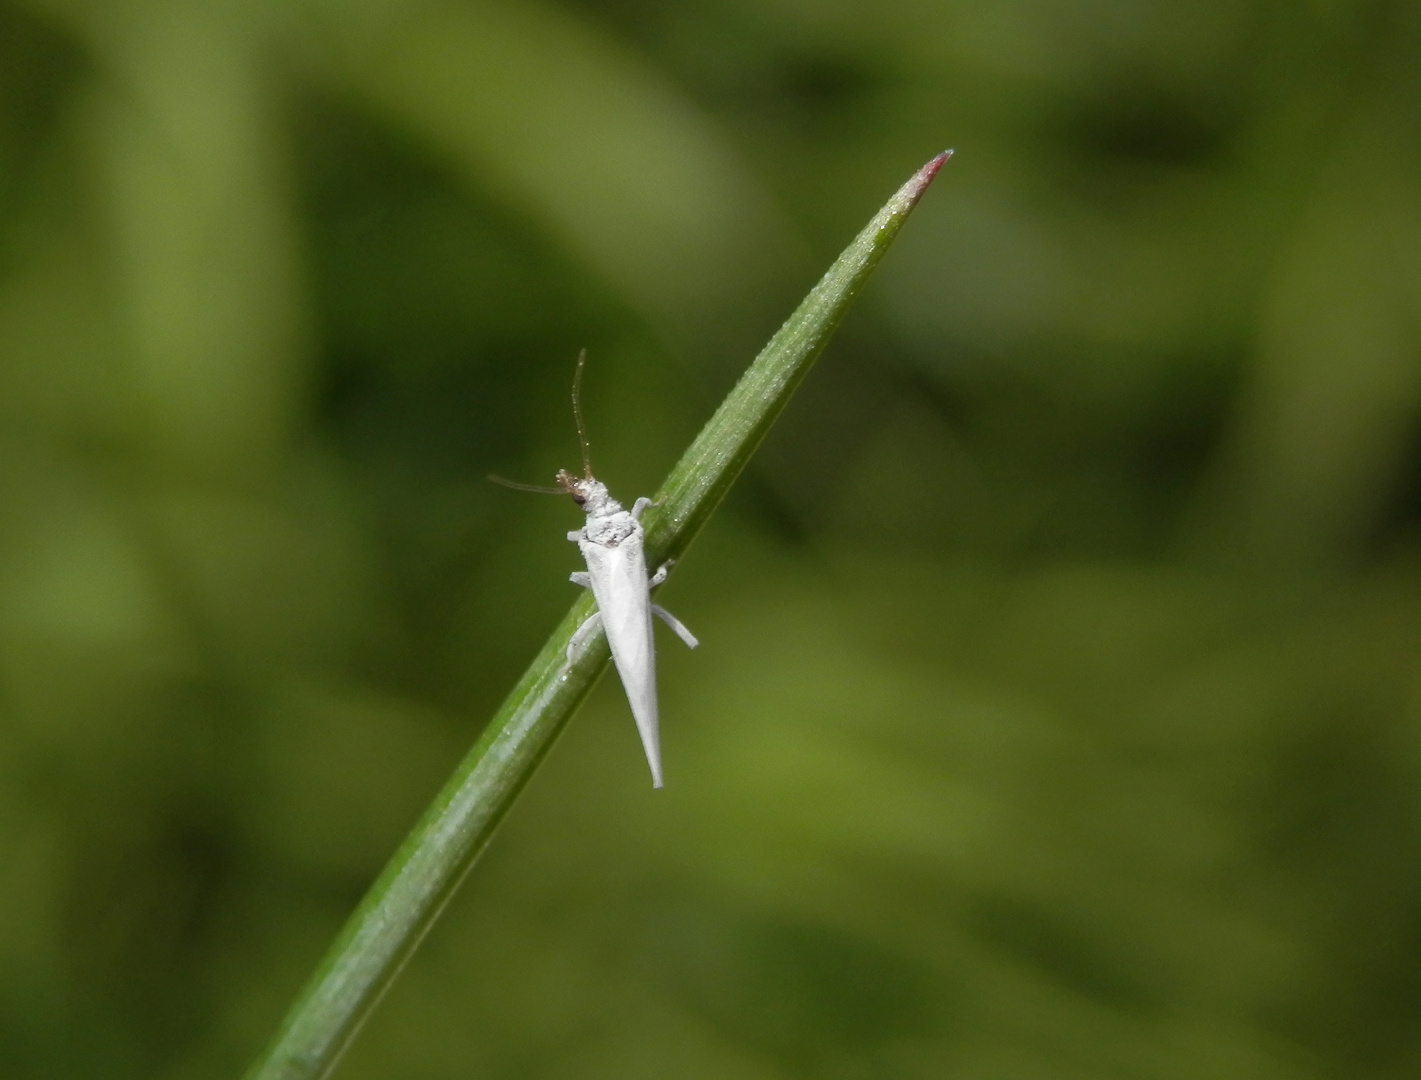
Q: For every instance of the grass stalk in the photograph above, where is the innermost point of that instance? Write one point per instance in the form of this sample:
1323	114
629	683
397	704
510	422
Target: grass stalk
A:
424	873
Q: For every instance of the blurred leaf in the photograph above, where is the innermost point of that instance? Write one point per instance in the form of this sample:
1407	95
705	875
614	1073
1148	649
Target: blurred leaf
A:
1336	393
536	105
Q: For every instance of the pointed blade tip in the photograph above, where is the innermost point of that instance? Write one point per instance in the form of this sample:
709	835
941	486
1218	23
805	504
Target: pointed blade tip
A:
913	190
928	171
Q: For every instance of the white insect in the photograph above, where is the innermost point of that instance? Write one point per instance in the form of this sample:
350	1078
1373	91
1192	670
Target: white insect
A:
612	543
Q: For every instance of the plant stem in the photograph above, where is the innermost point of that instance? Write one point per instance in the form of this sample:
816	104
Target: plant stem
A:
419	880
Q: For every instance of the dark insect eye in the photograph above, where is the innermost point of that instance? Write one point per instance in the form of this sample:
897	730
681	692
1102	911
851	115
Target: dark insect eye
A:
578	499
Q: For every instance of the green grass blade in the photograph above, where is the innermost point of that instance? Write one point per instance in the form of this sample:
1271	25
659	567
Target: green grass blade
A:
418	881
711	464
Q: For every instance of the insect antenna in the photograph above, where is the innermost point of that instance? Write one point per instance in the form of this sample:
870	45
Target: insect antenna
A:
565	482
537	489
577	415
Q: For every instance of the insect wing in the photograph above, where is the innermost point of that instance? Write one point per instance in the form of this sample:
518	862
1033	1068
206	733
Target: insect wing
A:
619	583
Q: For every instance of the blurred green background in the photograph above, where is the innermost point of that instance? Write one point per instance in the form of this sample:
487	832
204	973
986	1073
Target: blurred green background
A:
1058	710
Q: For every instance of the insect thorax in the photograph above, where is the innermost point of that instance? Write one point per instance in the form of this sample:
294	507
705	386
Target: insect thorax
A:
609	530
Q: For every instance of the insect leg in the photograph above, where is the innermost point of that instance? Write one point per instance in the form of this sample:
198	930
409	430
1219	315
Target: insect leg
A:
641	506
575	536
580	577
582	633
675	624
660	575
